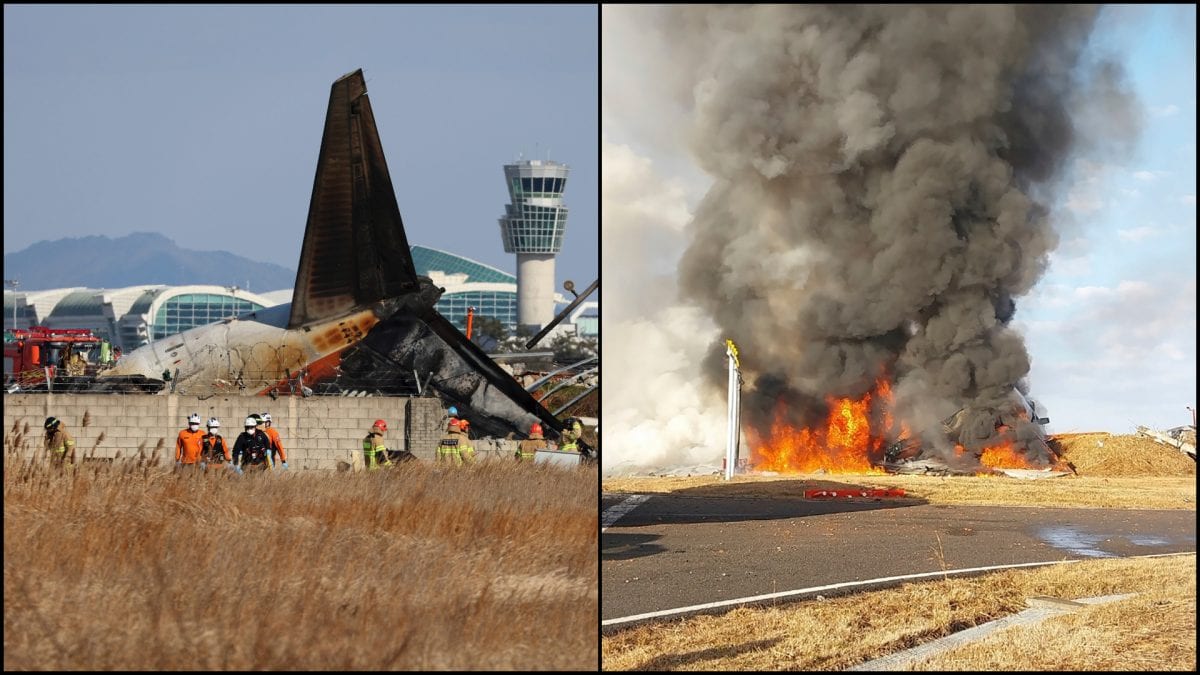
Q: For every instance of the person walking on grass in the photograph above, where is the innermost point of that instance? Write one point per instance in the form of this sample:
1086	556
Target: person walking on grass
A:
455	448
59	445
277	452
527	449
375	452
189	444
571	433
214	451
252	448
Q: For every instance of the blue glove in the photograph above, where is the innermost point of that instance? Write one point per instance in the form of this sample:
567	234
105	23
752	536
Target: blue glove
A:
204	466
285	465
178	464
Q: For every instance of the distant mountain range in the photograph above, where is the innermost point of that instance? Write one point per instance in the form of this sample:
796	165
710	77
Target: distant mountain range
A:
136	259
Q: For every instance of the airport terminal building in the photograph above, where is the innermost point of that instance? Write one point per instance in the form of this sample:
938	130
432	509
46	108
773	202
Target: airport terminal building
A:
134	316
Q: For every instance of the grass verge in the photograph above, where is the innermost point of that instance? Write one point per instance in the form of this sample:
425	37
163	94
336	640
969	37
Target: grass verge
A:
130	567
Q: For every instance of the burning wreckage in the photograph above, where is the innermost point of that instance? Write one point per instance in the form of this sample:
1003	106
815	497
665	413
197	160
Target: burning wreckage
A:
863	436
1021	444
873	215
360	319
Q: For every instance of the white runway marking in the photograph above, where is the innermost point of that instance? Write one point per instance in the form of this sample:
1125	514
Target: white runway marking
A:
617	512
831	587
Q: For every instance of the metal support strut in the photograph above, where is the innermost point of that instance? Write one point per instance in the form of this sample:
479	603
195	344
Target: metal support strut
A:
735	396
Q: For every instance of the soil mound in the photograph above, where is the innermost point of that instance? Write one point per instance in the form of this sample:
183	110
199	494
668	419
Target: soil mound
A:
1105	454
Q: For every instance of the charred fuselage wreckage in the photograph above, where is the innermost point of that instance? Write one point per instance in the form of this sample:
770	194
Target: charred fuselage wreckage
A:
360	319
882	183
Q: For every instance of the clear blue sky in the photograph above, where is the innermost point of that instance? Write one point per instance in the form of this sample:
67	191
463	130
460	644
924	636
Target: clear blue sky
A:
203	123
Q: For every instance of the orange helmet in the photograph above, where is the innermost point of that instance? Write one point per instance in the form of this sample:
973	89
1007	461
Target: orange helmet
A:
380	424
535	428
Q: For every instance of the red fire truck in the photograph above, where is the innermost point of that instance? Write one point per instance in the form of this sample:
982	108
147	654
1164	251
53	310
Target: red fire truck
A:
62	354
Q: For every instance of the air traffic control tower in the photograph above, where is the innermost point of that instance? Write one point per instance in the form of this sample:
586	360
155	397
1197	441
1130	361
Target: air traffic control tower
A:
532	227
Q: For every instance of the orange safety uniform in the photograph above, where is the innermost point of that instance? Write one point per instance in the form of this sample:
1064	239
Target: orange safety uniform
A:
215	449
188	446
276	443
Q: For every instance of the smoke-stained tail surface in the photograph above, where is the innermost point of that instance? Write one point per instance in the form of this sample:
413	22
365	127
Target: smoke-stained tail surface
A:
356	255
355	250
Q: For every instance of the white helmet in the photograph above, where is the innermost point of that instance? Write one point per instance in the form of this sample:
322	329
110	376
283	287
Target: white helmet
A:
214	423
266	417
193	419
251	422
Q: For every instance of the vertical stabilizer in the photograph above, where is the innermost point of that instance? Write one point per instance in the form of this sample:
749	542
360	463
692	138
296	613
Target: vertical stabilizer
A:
355	250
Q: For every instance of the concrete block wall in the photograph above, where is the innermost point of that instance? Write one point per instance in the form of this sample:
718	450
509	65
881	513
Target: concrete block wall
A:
317	432
425	426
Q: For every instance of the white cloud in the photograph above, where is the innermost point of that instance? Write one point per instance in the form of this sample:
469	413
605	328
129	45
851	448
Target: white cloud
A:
1067	265
1049	296
1146	175
1082	200
1165	111
1137	233
1118	355
1125	325
1087	194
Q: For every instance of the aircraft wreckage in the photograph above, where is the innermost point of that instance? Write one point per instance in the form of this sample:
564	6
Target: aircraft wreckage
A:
852	438
359	313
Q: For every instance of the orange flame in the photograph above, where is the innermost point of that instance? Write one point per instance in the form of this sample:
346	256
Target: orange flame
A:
844	444
852	437
1005	456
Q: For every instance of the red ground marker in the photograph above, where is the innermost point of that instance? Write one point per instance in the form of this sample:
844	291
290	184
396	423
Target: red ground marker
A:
872	492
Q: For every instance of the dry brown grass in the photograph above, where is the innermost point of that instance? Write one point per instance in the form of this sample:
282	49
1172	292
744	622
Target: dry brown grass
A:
1111	472
1156	630
1065	492
125	567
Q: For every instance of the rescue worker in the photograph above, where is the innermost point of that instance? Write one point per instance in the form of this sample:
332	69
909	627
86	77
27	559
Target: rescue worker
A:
527	448
213	448
59	445
252	447
76	364
189	444
375	452
276	443
105	353
463	425
571	433
455	448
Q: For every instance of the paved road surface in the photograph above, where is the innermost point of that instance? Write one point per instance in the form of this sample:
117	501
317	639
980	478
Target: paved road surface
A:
675	551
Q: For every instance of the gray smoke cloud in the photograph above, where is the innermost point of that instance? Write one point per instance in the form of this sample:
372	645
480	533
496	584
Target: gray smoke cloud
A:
882	182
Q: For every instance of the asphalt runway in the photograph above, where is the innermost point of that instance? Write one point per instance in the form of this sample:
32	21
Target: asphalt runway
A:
672	551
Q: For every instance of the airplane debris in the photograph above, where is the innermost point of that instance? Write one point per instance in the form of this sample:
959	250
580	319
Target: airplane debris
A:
1174	438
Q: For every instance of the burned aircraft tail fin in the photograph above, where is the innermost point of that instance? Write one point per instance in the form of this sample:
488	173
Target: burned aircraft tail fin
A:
355	251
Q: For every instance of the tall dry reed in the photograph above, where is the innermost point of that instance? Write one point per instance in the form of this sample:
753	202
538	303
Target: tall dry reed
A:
130	566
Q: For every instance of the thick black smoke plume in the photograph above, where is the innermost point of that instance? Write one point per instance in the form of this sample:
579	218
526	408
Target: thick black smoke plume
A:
883	176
